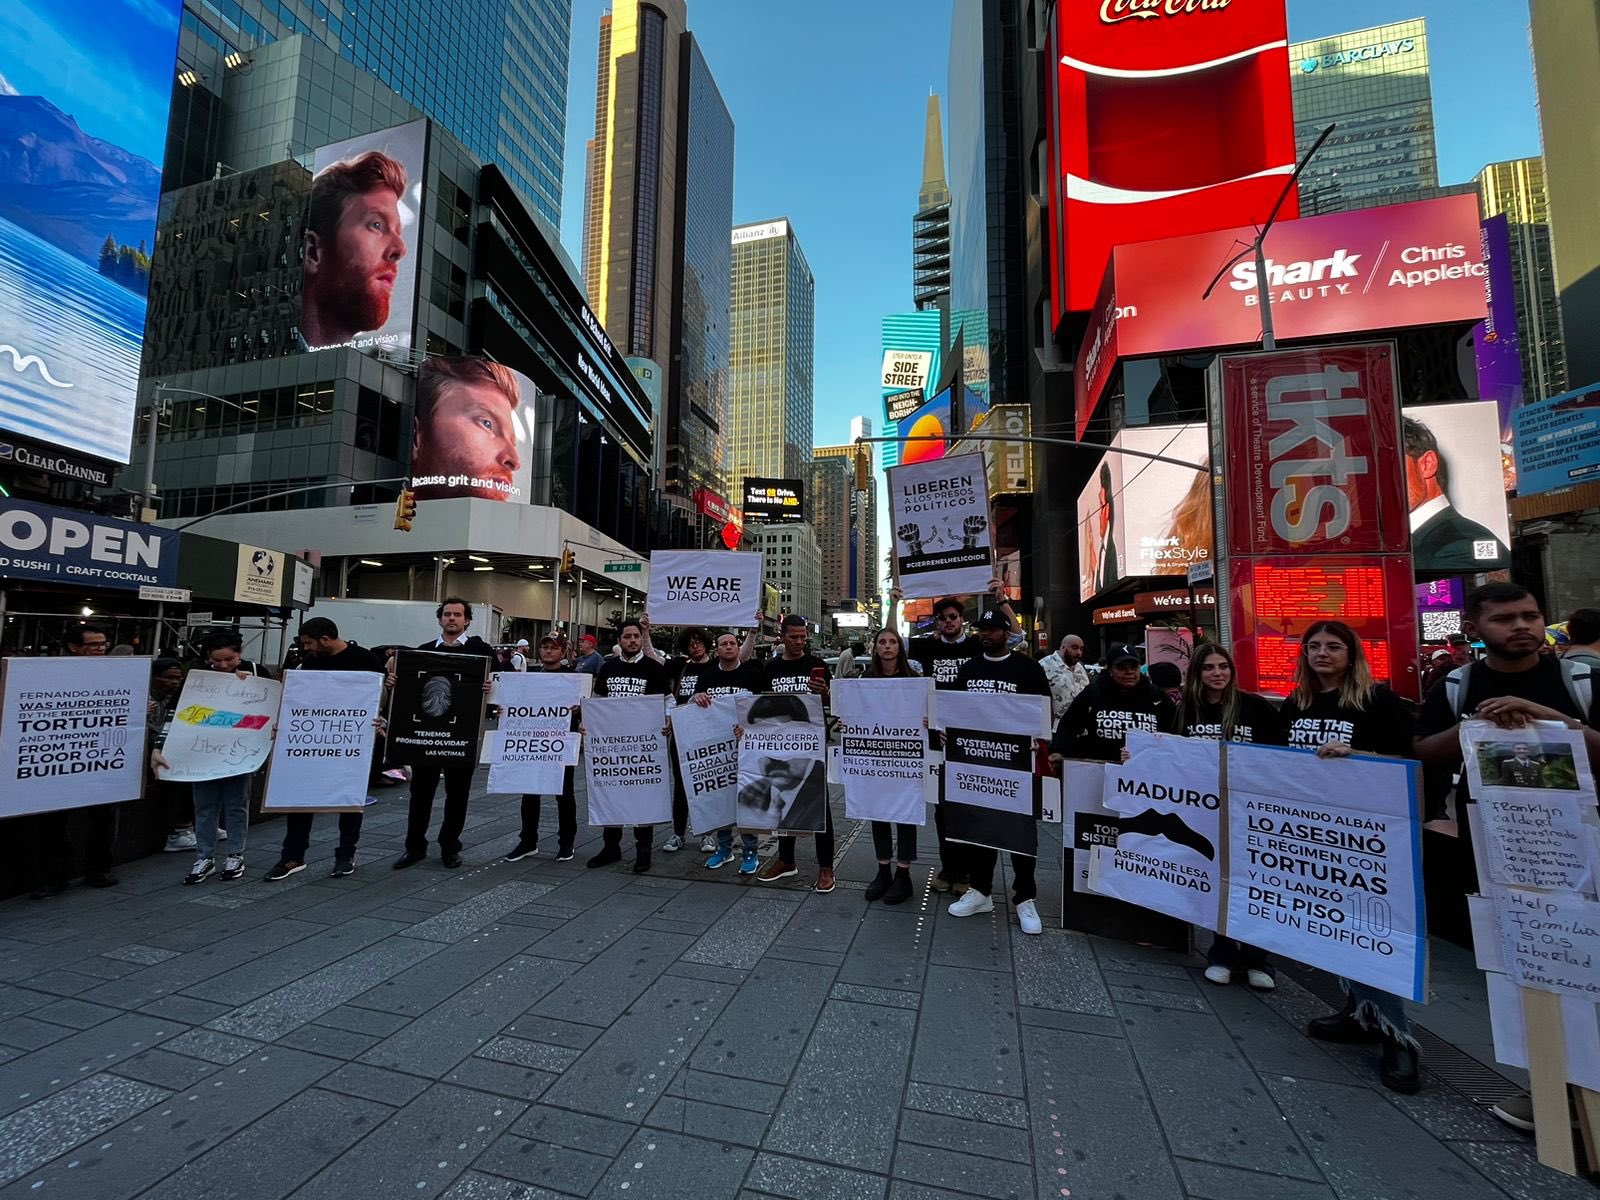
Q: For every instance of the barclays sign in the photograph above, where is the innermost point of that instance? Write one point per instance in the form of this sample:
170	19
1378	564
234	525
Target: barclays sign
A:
1362	54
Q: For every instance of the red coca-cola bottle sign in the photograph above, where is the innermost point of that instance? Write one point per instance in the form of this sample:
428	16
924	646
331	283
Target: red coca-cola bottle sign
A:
1112	11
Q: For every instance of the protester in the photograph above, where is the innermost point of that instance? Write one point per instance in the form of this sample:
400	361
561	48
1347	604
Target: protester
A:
889	661
1169	678
1583	637
1460	649
796	670
1338	709
1439	664
322	649
551	657
852	661
454	616
683	677
519	655
589	659
629	672
1065	671
730	674
174	800
1214	707
1117	700
1513	685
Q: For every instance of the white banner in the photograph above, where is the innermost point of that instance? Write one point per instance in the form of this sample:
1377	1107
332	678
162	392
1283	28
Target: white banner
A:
883	752
536	743
626	760
704	587
323	756
990	790
72	732
783	780
708	758
223	726
939	512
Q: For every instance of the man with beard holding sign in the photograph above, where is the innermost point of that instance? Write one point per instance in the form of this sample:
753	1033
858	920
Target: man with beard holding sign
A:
629	672
795	669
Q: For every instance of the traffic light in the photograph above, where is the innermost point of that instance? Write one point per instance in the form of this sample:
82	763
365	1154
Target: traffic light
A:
405	510
566	562
863	470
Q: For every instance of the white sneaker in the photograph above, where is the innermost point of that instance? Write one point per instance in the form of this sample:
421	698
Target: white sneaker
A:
708	844
232	867
179	840
672	844
1219	975
1260	980
1028	917
971	904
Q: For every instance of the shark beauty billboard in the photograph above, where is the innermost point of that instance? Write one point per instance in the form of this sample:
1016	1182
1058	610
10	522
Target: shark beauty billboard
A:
84	94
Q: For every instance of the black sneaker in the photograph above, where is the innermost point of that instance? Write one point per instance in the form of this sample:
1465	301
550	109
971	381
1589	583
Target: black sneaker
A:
201	871
607	856
285	868
342	867
523	850
564	854
641	864
46	890
880	882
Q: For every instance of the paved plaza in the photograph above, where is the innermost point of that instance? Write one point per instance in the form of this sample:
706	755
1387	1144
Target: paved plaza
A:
532	1030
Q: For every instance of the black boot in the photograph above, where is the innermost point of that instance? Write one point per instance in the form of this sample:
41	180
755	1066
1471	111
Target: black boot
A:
880	883
641	861
1400	1066
1341	1026
900	890
607	855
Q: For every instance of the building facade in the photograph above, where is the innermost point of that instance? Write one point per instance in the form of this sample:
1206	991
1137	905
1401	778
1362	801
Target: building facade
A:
793	565
1375	85
830	500
772	356
1518	191
930	228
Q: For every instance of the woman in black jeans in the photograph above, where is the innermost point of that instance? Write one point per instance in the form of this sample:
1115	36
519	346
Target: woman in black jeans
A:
889	661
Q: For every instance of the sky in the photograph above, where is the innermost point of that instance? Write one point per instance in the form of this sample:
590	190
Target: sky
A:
828	103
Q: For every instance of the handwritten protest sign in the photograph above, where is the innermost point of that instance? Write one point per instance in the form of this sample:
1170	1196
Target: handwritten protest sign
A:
323	756
1552	940
223	726
537	739
71	732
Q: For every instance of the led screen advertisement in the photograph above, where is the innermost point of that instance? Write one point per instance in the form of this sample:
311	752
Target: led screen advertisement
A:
359	261
473	431
937	420
1455	489
84	92
1558	442
773	501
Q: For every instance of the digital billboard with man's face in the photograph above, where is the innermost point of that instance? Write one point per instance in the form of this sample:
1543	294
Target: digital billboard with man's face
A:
359	261
1454	487
84	95
473	433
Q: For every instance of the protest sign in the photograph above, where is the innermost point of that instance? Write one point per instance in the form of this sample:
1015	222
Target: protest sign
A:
71	732
626	760
435	708
223	726
1552	940
883	748
990	791
708	759
537	739
1533	787
323	756
704	587
783	780
939	511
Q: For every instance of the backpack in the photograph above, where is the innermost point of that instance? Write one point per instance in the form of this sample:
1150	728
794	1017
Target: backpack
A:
1578	677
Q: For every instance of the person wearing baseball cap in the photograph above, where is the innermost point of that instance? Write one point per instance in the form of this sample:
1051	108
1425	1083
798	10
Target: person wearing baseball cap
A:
588	660
519	655
552	652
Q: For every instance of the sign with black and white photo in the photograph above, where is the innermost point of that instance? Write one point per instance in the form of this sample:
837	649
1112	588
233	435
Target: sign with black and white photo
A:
783	777
71	732
773	501
223	726
537	739
883	750
939	511
1533	787
323	756
626	756
435	708
704	587
990	791
708	760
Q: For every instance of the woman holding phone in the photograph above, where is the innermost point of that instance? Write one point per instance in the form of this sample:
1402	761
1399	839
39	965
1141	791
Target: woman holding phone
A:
1338	709
889	661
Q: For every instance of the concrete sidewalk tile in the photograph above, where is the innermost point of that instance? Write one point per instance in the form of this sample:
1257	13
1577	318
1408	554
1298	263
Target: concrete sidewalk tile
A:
967	1105
532	921
588	935
1365	1147
220	1048
172	1071
553	1031
147	956
62	982
1177	985
36	1075
1451	1117
739	1126
198	965
14	1000
977	1011
890	997
273	1156
969	1137
764	1028
363	1020
1058	970
900	1189
1271	1044
374	1083
798	1179
857	1061
743	935
440	976
475	1185
599	992
579	1131
725	1090
1213	1181
335	1043
886	953
965	1174
189	1009
632	1062
1078	1022
559	1168
1105	1137
1166	966
812	958
419	1150
981	942
102	967
523	1053
659	1165
263	974
26	1033
1169	1001
582	892
703	905
694	970
482	909
501	1079
1516	1169
1208	1100
824	922
48	1128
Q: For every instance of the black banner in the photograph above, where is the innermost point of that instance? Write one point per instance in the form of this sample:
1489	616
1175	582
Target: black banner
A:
436	708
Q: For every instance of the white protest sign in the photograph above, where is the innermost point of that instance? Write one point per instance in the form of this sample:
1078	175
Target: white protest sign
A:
708	759
783	778
704	587
626	760
989	789
1552	940
222	727
883	748
323	756
536	743
72	732
939	512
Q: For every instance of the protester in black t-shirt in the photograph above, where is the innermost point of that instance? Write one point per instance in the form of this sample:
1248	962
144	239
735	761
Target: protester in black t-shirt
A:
683	674
728	674
1214	707
796	670
552	655
322	649
629	672
1338	709
1117	700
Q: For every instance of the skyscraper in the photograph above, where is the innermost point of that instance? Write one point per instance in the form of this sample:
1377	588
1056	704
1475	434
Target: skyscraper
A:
493	74
1517	189
1374	84
930	228
846	524
772	319
657	214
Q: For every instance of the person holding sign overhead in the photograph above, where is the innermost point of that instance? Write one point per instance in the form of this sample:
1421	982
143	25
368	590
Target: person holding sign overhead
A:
629	672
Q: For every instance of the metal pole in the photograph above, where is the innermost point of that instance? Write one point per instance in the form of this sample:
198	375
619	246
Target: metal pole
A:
1264	294
579	571
555	597
161	612
344	578
151	430
3	617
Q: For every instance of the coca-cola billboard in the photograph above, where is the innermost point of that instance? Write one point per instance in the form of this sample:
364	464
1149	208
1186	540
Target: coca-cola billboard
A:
1164	117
